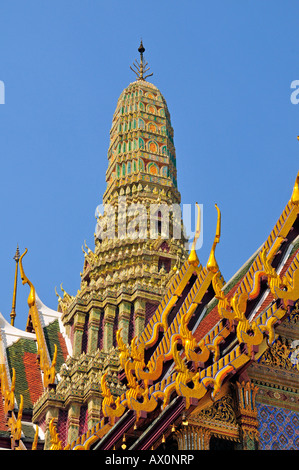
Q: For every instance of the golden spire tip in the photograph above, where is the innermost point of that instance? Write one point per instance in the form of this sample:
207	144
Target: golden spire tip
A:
212	263
295	195
193	259
141	68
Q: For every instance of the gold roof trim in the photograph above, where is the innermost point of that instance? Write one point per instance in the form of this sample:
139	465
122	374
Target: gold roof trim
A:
46	366
250	344
235	308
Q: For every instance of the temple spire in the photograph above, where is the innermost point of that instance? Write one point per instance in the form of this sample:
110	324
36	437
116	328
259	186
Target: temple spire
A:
14	297
140	67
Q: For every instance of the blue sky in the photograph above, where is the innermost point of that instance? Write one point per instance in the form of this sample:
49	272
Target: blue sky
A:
225	69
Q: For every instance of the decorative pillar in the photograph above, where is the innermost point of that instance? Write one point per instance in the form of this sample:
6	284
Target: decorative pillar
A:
247	415
139	316
193	438
93	330
109	317
94	406
78	333
124	320
73	422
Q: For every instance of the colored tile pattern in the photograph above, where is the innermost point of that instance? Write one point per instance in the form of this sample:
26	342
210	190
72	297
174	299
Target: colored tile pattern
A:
53	336
83	424
62	426
279	428
33	376
22	356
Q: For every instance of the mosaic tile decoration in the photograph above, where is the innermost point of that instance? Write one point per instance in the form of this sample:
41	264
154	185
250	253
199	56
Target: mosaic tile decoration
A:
279	428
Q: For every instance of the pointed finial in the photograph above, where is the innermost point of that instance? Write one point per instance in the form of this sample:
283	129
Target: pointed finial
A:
17	255
141	48
140	67
212	263
295	194
193	259
14	297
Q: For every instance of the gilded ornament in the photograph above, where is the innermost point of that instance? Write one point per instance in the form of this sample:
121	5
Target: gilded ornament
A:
222	410
35	440
291	291
274	280
212	263
110	407
295	195
14	424
123	349
9	393
142	401
46	367
50	373
193	259
55	441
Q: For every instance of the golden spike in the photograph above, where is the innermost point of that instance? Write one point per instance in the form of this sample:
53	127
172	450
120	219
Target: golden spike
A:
55	441
50	372
35	440
212	263
31	297
9	393
193	259
108	398
14	297
16	424
295	195
59	298
48	369
140	67
65	294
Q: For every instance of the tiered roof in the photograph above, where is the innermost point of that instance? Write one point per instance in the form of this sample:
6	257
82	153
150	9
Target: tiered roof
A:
203	333
26	357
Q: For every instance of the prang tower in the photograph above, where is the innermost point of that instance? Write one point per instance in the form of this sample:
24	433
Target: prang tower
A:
125	276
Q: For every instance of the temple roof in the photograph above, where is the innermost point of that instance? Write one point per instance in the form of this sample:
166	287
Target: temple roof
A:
203	333
23	370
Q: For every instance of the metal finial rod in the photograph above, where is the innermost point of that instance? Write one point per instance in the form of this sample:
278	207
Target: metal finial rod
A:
140	67
17	255
14	297
141	48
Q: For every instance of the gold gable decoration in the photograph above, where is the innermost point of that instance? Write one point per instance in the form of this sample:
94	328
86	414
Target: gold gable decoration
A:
48	368
179	345
142	398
